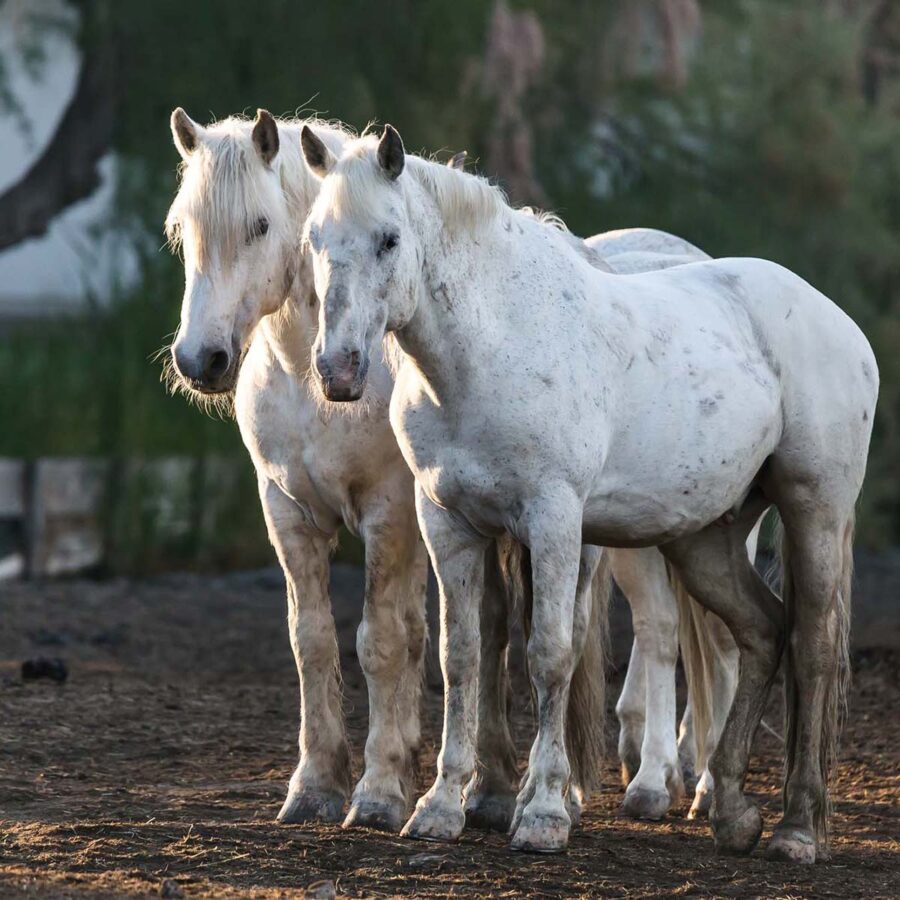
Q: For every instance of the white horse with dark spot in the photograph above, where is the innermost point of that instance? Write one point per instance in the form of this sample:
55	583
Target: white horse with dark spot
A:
541	398
249	316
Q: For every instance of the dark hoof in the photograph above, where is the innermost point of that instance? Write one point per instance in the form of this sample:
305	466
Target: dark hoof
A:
631	763
738	837
490	811
387	815
312	806
689	777
645	804
792	845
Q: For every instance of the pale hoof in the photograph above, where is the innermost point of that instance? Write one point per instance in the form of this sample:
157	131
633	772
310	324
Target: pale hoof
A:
490	811
433	822
640	803
700	807
539	833
738	837
311	806
792	845
385	815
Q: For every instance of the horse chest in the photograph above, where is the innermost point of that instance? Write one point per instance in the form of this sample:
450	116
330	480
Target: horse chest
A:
325	460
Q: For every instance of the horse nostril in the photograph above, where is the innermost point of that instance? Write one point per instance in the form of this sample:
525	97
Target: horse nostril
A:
216	365
354	359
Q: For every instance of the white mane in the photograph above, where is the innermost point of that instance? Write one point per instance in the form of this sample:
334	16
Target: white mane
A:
464	200
223	189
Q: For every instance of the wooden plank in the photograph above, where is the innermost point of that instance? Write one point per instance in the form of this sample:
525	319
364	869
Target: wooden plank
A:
12	488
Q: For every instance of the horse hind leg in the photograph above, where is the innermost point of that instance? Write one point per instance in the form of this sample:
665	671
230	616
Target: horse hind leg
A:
817	559
716	571
491	794
722	670
657	785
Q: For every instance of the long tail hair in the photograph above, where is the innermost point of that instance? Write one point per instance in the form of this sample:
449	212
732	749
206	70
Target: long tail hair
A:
698	654
835	708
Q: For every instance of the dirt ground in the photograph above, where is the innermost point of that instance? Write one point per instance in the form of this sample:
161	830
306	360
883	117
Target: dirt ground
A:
158	767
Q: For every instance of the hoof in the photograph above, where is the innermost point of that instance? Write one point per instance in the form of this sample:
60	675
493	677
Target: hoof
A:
738	837
539	833
490	811
574	806
385	815
640	803
792	845
435	822
700	807
312	806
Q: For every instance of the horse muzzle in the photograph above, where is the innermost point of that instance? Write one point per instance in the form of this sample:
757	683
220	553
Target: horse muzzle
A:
212	370
342	376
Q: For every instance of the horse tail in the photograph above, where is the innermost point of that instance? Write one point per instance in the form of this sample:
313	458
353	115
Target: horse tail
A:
838	687
698	654
586	711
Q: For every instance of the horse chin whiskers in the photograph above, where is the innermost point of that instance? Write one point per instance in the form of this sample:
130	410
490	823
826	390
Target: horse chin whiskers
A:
218	404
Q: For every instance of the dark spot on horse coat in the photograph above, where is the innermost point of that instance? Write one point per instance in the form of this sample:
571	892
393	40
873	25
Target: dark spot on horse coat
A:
865	416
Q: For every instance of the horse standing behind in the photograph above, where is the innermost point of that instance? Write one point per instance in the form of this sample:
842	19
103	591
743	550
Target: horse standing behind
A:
539	397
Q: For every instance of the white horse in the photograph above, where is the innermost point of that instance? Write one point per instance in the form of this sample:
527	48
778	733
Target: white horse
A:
248	319
540	397
243	194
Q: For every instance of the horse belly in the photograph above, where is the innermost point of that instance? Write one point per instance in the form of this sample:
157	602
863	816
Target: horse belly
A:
670	481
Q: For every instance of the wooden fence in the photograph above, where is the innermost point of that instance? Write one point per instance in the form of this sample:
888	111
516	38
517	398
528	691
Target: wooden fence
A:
61	516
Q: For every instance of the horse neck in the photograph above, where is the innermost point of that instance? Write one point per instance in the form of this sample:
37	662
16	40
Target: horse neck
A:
441	338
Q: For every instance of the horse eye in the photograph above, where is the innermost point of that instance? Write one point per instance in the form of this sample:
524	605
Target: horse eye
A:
259	229
388	242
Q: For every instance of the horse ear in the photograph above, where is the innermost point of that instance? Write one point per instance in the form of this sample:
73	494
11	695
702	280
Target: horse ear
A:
458	161
391	155
318	157
265	135
185	132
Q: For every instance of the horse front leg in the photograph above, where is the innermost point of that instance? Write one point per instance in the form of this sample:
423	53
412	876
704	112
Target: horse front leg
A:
458	558
320	783
657	785
491	794
394	584
542	821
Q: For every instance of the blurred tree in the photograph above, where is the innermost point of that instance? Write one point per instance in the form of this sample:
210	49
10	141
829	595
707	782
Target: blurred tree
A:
751	127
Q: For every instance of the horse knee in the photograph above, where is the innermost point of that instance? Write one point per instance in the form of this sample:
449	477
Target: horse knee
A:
381	642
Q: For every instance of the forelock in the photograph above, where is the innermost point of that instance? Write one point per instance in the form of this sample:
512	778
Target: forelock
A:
223	190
